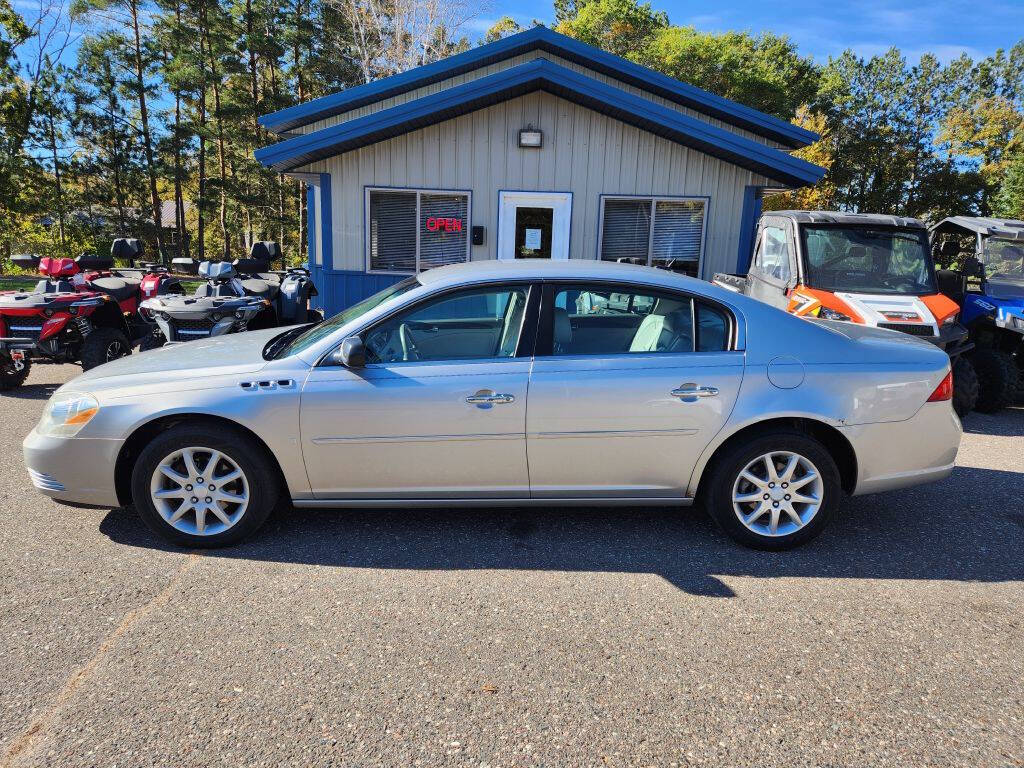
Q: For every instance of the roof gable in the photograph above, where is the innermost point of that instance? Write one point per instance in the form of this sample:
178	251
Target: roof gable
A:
544	39
540	74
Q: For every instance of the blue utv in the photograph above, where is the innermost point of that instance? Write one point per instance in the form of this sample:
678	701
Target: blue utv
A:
984	273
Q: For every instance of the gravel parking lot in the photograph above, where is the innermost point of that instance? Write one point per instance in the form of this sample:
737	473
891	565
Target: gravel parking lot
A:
518	638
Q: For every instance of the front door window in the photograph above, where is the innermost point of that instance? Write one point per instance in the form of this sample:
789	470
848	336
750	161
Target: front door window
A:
533	232
534	225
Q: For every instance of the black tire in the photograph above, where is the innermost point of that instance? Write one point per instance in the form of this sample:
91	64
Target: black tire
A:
103	345
10	378
260	475
152	340
965	386
725	473
997	379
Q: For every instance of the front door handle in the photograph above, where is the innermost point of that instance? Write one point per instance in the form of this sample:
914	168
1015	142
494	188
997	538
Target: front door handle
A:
489	397
690	392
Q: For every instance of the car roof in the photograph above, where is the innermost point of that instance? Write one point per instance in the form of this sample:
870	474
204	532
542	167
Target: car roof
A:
1010	229
840	217
555	269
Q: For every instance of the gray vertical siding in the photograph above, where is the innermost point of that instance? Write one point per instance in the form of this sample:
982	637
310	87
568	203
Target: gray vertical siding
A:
584	152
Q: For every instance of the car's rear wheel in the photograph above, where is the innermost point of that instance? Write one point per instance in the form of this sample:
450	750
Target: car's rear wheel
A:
775	491
203	487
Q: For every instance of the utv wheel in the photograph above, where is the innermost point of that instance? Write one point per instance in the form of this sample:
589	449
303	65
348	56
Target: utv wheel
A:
774	492
152	341
10	377
997	379
200	486
103	345
965	386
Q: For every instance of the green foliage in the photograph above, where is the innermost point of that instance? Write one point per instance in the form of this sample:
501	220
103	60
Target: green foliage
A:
1008	202
623	27
764	72
502	28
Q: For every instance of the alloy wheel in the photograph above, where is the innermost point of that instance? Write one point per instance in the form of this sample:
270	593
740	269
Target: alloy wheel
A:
200	491
777	493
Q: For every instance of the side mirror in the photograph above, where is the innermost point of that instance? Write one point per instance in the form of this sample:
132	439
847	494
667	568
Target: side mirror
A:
352	353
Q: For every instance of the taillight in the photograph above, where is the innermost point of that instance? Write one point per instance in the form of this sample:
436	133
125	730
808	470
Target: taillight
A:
944	391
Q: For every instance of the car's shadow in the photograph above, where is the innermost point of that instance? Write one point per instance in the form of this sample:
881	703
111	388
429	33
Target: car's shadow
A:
967	528
31	391
1005	423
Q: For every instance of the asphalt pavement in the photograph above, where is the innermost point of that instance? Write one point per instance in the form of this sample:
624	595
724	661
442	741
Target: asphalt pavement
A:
542	637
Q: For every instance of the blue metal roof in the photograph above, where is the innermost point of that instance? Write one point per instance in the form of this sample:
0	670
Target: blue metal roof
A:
540	74
544	39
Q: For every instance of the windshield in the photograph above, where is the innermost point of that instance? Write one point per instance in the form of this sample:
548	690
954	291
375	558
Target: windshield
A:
868	260
289	344
1003	259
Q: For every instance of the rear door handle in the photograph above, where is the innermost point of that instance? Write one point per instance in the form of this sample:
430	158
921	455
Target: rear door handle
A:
690	392
489	397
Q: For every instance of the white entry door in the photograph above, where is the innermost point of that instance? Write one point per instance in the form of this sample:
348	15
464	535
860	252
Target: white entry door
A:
534	225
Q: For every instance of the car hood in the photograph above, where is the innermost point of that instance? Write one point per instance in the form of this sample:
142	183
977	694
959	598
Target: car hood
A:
180	364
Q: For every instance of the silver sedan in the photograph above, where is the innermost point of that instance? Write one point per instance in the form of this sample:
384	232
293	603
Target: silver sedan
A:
509	383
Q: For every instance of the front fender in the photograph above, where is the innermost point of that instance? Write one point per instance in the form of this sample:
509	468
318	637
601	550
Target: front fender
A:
271	413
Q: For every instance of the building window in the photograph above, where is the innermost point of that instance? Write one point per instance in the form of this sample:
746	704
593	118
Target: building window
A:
412	230
658	231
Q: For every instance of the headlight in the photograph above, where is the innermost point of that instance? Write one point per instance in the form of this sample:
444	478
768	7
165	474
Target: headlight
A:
1018	323
67	413
951	319
830	314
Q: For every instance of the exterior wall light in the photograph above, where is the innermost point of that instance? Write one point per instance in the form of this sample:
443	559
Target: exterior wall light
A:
531	138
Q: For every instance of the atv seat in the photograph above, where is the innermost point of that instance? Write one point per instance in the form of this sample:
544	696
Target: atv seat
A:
118	288
88	262
255	286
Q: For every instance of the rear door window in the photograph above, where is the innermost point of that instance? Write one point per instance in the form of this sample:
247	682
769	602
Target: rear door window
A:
603	320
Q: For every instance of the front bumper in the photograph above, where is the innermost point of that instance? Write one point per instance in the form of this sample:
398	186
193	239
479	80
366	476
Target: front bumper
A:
75	469
953	339
899	454
1011	318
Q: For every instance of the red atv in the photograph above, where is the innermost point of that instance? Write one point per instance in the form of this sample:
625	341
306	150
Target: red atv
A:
80	312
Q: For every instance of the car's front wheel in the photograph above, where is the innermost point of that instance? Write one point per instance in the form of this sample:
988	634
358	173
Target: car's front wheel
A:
200	486
775	491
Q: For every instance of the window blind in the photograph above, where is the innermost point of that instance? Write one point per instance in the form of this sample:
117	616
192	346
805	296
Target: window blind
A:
392	233
626	229
443	243
678	228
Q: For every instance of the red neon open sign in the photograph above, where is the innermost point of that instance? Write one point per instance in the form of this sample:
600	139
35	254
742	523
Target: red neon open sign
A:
437	224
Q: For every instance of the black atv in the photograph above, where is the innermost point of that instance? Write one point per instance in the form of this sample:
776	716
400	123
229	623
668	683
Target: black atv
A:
243	295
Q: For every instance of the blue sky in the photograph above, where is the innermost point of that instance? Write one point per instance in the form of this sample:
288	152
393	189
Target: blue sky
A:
823	29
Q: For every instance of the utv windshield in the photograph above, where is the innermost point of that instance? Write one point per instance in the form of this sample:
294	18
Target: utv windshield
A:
868	260
291	344
1003	259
